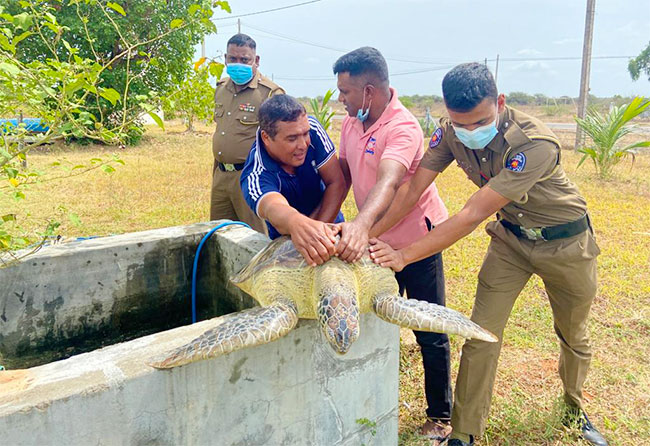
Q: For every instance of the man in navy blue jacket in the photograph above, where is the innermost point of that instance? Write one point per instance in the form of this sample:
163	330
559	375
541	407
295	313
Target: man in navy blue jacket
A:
293	180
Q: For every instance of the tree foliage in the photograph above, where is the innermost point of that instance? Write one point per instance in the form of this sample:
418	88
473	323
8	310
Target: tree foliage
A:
193	99
145	46
606	132
81	86
640	64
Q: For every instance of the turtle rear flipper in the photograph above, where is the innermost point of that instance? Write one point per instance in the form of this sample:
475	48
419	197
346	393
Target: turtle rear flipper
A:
247	328
425	316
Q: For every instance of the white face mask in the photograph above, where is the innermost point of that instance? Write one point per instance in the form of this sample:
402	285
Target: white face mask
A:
479	137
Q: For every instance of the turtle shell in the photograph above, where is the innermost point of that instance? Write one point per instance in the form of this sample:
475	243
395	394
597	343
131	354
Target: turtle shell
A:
280	253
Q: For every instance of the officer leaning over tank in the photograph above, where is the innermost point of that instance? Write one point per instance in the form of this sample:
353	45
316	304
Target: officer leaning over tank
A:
542	228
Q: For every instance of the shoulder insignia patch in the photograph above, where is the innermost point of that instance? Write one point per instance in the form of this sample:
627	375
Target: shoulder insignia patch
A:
516	163
436	138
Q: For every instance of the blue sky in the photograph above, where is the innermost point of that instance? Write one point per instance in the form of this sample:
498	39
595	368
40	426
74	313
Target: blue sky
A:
435	35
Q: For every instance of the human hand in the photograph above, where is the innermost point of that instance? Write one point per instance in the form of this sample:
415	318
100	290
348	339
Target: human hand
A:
353	242
383	255
313	239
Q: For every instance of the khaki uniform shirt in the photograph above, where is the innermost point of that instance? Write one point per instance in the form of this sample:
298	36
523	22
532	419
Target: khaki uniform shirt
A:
235	114
522	163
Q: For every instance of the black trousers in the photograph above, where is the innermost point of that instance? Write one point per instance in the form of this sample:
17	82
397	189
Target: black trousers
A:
425	280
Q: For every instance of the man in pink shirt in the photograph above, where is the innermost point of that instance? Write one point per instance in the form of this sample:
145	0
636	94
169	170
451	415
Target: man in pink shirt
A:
381	147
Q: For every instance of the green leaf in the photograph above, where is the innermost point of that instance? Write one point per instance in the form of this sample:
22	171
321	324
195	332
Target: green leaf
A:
193	8
6	45
9	217
176	23
116	7
111	95
23	21
21	37
216	69
108	169
10	69
223	5
156	118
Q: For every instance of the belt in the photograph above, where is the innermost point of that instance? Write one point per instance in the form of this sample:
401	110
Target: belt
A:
228	167
549	232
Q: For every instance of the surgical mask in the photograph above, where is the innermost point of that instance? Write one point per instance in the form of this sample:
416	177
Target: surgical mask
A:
363	115
479	137
240	73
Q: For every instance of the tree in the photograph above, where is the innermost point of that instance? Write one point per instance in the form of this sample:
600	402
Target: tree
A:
641	64
194	97
606	131
70	87
145	45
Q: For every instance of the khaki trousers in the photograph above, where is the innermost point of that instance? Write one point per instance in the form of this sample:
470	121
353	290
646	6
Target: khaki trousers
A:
227	201
568	269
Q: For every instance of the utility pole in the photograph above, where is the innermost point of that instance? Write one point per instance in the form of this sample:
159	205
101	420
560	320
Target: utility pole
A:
238	26
496	71
203	48
586	67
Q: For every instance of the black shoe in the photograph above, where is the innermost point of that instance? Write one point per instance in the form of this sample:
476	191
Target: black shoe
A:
579	419
457	442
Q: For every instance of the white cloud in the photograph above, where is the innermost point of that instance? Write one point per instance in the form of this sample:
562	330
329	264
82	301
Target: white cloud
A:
529	52
534	67
566	41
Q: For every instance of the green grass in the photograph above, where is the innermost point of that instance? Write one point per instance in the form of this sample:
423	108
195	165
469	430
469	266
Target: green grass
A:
166	182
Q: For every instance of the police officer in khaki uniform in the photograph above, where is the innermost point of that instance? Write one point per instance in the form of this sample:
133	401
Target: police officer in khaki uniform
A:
236	102
543	228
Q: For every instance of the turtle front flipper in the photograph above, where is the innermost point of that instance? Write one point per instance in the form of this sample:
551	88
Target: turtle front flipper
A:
248	328
425	316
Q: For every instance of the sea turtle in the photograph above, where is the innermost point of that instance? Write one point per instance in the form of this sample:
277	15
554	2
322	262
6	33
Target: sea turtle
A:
335	293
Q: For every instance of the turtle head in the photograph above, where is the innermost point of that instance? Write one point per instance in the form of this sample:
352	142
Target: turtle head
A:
338	315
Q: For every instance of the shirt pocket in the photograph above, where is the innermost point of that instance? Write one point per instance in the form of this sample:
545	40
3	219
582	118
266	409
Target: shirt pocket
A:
247	118
218	111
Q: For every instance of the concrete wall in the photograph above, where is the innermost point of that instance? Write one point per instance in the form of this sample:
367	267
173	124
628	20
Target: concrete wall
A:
294	391
78	296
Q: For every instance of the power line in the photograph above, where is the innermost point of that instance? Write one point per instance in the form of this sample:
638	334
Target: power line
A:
338	50
267	10
425	62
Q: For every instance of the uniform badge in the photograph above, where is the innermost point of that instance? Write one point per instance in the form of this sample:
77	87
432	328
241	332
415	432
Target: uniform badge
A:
436	138
516	163
371	145
247	107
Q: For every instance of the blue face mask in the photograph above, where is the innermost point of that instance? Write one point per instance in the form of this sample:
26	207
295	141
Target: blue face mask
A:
479	137
363	115
240	73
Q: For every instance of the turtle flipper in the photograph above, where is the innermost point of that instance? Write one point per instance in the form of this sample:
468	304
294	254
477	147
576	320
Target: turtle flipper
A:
425	316
248	328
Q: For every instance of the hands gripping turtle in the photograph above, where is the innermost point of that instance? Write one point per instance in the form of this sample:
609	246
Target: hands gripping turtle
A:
335	293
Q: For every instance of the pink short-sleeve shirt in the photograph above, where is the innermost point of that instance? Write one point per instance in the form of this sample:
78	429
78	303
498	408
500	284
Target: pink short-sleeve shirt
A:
395	136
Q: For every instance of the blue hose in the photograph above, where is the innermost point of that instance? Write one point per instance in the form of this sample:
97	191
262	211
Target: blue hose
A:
196	260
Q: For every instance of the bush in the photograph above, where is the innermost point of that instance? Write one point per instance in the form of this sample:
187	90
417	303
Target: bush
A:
606	131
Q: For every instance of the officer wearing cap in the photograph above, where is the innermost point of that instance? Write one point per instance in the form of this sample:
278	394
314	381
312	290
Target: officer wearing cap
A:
236	103
542	228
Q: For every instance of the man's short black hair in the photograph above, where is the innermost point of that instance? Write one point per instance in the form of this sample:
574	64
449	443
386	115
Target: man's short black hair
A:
364	60
467	85
281	107
242	40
